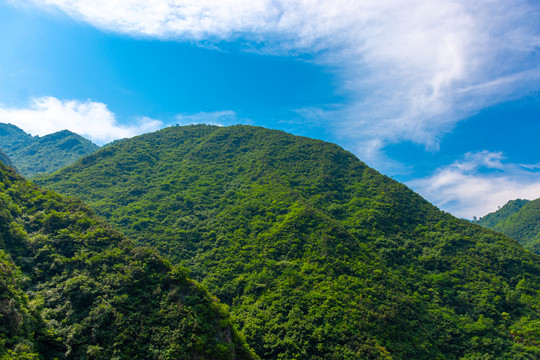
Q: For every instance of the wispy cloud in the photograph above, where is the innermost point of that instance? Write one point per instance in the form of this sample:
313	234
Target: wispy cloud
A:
218	118
93	120
479	183
409	69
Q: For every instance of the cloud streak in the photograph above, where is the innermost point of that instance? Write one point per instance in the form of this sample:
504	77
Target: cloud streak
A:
409	70
93	120
218	118
479	183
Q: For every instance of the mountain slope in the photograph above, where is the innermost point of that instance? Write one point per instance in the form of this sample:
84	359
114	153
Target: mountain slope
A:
519	219
492	219
71	287
33	155
5	159
12	138
317	255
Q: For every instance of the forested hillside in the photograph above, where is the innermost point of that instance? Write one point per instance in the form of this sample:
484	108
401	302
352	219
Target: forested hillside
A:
5	159
492	219
519	219
73	288
33	155
12	137
317	255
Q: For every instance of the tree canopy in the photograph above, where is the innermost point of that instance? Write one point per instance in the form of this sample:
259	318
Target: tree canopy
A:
34	155
317	255
72	287
519	219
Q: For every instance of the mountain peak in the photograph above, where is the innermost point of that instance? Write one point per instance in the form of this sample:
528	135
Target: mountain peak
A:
33	155
519	219
316	254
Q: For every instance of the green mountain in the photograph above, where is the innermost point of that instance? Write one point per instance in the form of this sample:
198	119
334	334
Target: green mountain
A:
519	219
5	159
317	255
492	219
73	288
33	155
11	137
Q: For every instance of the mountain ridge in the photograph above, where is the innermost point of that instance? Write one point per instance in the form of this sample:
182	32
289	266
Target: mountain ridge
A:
518	219
296	235
33	155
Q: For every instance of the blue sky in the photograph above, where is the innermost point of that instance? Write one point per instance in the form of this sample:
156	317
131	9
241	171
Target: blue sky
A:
441	95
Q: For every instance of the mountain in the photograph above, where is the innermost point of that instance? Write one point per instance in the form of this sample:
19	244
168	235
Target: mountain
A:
12	137
33	155
492	219
518	219
5	159
71	287
317	255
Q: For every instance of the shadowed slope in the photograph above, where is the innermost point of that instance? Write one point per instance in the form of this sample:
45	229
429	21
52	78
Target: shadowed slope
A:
71	287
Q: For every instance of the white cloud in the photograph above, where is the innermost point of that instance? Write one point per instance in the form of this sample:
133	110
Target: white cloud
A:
479	184
409	69
218	118
93	120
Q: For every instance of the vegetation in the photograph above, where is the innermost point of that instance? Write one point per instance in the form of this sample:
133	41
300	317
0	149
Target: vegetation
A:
317	255
71	287
42	155
11	137
519	219
5	159
492	219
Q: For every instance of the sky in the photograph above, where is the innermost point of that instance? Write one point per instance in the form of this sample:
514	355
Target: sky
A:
442	95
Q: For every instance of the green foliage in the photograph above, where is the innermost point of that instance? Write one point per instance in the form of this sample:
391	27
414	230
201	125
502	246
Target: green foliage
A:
492	219
18	316
518	219
5	159
11	137
71	287
32	156
317	255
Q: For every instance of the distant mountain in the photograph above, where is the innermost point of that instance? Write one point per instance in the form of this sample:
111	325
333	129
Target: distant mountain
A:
33	155
502	214
5	159
73	288
519	219
317	255
12	138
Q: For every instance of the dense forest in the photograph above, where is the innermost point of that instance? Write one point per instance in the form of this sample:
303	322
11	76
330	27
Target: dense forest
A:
72	287
519	219
33	155
4	158
317	255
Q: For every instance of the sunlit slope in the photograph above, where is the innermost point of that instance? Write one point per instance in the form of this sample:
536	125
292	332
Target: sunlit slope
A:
33	155
318	255
519	219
